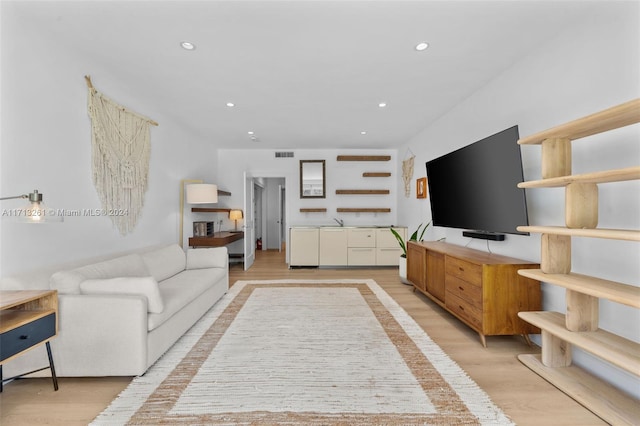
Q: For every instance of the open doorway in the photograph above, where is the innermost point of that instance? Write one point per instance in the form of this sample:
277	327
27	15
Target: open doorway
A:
269	213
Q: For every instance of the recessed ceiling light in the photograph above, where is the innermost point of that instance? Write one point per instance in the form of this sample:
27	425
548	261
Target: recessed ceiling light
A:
382	104
187	45
250	132
363	132
230	104
422	46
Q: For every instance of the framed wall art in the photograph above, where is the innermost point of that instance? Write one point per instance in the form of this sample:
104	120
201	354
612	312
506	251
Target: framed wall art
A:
421	188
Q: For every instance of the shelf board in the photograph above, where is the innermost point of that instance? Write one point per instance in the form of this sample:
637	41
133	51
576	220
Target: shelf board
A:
604	289
376	174
610	347
604	400
364	157
614	234
362	210
619	175
362	191
318	210
223	193
209	210
612	118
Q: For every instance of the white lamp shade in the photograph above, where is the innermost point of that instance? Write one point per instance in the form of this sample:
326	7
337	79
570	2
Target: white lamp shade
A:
202	193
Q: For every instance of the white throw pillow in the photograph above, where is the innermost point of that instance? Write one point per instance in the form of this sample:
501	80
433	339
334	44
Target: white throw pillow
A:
165	262
144	286
203	258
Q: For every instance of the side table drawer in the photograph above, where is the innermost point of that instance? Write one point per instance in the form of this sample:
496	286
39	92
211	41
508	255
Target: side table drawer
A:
21	338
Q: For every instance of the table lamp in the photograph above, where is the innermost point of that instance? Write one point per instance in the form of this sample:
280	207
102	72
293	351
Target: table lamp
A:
235	215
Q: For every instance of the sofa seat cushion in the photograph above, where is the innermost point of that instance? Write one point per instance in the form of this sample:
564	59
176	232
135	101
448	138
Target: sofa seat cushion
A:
142	286
179	290
68	281
165	262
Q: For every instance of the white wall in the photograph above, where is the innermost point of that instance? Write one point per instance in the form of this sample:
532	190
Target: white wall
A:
593	65
46	145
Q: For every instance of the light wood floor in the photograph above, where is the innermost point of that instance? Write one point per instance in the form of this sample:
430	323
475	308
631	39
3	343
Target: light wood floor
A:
521	394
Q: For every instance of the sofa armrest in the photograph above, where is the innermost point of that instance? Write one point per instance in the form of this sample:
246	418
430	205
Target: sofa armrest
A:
101	335
212	257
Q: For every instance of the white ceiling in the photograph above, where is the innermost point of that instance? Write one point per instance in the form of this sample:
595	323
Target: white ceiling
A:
302	74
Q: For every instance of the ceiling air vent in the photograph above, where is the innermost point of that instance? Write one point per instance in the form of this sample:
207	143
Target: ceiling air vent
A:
283	154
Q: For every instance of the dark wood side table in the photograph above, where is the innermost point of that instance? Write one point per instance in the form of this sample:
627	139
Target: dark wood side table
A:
28	318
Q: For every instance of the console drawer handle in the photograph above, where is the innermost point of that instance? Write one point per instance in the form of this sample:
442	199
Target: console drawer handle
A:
461	289
24	337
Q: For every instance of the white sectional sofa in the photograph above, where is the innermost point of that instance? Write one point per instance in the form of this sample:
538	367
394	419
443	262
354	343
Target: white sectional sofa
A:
118	315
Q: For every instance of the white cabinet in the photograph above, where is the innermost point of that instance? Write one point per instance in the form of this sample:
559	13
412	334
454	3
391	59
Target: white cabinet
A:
304	247
333	246
388	250
361	246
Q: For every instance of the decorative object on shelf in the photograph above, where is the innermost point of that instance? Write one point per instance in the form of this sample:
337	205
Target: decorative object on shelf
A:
196	193
402	265
121	146
34	212
312	179
203	229
235	215
407	172
421	188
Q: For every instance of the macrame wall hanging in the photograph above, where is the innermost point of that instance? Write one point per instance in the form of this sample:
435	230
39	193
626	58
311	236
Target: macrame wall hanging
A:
120	145
407	172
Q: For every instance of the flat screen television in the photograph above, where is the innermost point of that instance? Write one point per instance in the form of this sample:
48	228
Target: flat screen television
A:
475	187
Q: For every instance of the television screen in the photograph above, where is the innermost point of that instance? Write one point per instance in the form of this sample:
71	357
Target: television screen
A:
475	187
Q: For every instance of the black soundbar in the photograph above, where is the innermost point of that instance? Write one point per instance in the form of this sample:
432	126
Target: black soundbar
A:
483	235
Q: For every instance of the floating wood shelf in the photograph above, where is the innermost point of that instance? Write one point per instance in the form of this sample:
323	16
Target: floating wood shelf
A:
209	210
362	191
616	292
613	234
318	210
223	193
364	157
362	210
609	119
617	350
376	174
601	398
618	175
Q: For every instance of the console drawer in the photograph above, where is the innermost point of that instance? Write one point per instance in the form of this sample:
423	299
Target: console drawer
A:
467	271
464	309
464	290
25	336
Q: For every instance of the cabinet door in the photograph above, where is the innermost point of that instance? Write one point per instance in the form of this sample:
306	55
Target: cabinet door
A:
333	247
416	265
304	247
385	239
435	274
362	256
362	237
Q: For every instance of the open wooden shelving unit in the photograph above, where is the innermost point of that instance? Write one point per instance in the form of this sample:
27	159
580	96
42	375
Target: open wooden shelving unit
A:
579	327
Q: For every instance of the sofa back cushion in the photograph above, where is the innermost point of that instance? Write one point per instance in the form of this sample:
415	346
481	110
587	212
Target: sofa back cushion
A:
68	282
165	262
140	286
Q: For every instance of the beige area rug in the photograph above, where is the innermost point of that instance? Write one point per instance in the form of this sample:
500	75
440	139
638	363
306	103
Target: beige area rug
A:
304	353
